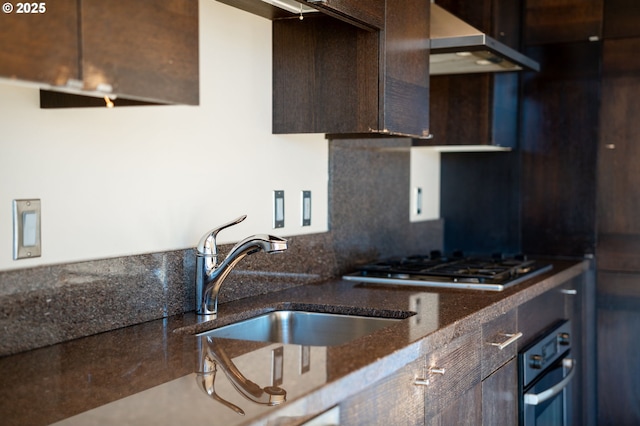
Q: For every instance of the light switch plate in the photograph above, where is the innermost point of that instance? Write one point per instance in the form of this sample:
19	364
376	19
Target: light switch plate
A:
278	209
26	229
306	208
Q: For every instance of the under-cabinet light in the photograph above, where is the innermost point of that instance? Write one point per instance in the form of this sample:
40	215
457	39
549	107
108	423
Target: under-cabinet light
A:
108	102
291	6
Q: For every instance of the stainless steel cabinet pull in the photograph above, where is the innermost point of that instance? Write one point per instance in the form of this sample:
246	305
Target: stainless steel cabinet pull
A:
571	291
421	382
511	338
436	370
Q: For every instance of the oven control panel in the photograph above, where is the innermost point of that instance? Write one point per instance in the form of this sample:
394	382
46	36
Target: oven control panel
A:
545	351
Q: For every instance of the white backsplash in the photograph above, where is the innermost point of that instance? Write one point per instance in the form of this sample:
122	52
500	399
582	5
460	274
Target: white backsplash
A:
144	179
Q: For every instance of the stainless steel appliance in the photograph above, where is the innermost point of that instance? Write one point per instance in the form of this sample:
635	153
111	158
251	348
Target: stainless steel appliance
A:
545	373
476	273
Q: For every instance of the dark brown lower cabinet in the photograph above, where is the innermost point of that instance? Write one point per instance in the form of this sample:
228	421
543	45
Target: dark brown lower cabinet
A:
473	379
500	396
465	410
395	400
618	348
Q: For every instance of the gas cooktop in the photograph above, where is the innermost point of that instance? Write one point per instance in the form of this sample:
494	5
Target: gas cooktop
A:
494	273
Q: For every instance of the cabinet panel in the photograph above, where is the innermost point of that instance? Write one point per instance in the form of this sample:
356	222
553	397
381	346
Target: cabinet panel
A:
405	55
621	18
395	400
332	77
152	51
498	330
619	153
41	47
618	348
461	109
540	313
325	77
464	410
553	21
484	182
559	127
500	396
575	297
452	371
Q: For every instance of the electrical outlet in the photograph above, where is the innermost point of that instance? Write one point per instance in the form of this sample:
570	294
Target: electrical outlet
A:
26	229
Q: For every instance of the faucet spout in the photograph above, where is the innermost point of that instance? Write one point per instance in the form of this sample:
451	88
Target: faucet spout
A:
210	274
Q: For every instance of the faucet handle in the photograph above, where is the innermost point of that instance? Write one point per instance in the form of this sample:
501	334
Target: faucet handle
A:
207	245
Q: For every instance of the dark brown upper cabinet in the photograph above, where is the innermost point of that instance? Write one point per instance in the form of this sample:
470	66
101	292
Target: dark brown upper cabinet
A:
41	47
368	14
142	51
562	21
146	50
478	109
333	77
621	18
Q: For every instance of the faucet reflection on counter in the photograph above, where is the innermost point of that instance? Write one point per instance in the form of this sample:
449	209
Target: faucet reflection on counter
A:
210	274
212	355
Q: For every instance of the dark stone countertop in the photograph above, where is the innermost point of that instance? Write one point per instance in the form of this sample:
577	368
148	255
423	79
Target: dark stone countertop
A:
146	374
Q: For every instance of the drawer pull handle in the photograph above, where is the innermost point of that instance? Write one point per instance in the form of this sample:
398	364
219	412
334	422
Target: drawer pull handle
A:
571	291
421	382
511	338
431	370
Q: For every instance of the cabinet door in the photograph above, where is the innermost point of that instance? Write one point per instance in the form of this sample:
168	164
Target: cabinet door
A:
405	68
560	109
618	151
554	21
325	77
332	77
145	50
540	313
500	396
452	371
621	18
396	400
40	47
499	342
465	410
618	348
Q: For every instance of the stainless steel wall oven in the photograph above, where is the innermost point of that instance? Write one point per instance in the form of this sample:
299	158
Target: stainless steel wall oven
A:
546	369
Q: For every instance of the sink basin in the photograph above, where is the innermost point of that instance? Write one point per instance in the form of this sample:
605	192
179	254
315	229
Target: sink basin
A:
302	328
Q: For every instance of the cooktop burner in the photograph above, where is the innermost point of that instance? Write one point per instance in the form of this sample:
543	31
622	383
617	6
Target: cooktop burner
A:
478	273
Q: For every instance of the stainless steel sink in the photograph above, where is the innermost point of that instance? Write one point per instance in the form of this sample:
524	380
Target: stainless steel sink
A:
302	328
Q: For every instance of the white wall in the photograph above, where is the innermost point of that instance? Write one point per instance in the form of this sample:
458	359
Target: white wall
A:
145	179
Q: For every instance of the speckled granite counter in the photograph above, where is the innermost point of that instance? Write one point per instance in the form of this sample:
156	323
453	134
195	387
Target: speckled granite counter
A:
146	374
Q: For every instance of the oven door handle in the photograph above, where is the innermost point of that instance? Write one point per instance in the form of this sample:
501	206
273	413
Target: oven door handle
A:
539	398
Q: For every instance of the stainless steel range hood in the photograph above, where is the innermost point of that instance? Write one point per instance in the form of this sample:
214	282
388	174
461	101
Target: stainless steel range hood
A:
459	48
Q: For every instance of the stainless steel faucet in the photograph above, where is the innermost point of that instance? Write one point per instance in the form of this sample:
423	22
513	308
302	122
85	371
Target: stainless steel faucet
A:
210	274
